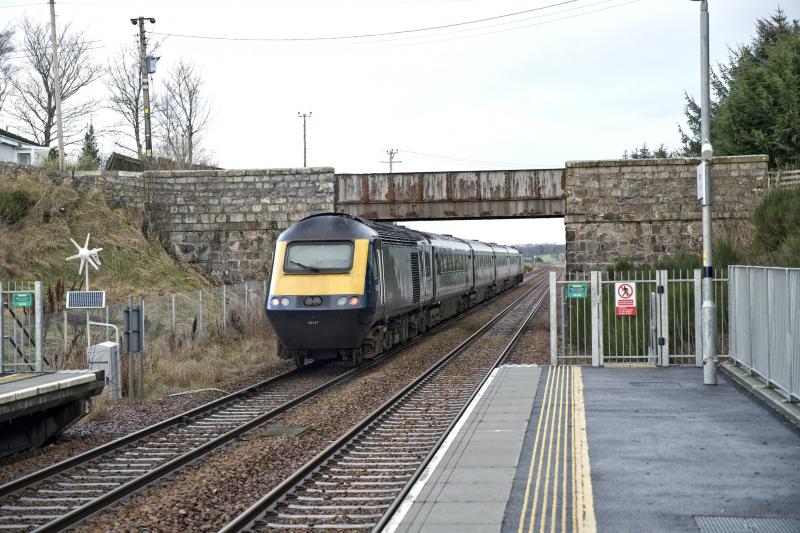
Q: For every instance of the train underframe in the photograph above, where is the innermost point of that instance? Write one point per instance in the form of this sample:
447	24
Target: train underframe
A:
390	332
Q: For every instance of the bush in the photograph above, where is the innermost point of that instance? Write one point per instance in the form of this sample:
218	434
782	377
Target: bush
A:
13	205
777	222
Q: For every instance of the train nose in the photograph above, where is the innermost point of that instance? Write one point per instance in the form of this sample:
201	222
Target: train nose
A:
315	322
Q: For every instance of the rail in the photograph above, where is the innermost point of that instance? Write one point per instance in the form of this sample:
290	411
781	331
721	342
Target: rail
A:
264	401
394	406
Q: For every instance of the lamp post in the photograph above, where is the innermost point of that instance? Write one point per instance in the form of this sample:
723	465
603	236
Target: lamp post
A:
709	309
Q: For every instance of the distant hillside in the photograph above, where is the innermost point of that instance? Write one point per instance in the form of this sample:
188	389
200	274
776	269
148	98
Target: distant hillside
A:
38	216
531	250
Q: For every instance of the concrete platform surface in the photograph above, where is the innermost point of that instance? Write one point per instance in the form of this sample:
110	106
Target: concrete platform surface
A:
27	385
467	485
668	453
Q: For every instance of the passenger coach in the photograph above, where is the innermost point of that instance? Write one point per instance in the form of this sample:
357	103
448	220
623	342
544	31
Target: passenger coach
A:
349	288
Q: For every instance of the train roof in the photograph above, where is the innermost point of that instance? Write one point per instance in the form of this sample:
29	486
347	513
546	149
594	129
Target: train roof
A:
324	226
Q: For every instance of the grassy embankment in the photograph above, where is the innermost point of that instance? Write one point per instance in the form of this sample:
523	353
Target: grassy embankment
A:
37	217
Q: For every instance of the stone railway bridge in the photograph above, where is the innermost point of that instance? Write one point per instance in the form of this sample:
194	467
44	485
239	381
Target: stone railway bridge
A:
226	221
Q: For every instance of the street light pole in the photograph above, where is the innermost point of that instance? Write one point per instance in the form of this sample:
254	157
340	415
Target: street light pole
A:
709	316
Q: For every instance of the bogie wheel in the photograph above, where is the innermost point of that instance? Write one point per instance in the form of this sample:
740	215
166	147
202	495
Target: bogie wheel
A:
299	359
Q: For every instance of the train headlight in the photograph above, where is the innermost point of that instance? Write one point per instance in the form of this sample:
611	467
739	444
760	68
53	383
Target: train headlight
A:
353	300
317	300
276	302
308	300
285	301
341	300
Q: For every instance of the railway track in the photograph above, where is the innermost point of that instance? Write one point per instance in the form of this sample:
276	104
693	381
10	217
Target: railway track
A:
66	493
360	480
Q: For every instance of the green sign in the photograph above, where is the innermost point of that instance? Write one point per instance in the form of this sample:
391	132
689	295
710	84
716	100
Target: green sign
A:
577	290
22	299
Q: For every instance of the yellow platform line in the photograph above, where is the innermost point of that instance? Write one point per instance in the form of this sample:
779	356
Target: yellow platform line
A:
545	407
559	473
583	506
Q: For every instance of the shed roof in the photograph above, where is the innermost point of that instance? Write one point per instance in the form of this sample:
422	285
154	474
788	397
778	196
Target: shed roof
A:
16	137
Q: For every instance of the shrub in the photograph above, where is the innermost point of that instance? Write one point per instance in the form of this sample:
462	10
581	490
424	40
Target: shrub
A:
13	205
777	222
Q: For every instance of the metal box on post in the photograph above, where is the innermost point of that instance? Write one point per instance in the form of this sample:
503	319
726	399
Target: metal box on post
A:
133	329
105	356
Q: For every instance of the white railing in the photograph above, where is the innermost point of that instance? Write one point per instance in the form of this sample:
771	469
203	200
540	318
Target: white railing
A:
765	324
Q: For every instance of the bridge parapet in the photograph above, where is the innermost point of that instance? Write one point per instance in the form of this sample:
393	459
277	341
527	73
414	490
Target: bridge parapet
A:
451	195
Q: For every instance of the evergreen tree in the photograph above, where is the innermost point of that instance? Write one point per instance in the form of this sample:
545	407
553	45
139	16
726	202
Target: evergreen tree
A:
90	153
756	98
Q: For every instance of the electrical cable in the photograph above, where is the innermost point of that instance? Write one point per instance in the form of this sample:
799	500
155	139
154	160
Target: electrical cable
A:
365	35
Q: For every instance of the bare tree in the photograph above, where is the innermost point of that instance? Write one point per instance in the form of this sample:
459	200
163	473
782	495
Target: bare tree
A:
6	68
184	114
124	81
34	103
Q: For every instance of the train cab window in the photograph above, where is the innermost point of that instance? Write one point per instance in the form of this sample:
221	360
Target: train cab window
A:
327	256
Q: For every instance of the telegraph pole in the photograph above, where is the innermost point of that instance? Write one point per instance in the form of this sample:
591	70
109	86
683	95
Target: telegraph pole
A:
57	85
148	137
391	153
304	117
709	317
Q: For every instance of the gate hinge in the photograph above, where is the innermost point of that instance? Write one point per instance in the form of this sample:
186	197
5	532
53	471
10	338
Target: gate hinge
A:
660	289
661	341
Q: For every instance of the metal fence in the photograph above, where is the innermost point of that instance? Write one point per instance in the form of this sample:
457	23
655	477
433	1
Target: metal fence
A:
181	318
765	324
660	327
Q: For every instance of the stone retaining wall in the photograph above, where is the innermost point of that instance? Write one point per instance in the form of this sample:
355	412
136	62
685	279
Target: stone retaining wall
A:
641	210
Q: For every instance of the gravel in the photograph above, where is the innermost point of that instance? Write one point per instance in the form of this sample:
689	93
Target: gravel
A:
210	493
534	344
121	419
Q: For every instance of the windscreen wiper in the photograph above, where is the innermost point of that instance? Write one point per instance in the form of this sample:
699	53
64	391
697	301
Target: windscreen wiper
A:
301	265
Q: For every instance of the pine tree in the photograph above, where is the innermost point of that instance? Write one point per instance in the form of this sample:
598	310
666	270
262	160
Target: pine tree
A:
90	153
756	104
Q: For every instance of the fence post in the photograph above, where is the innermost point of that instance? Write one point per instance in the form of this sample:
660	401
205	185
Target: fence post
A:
769	321
200	313
596	303
246	302
173	314
38	317
66	326
224	309
553	321
141	354
789	347
749	324
698	318
662	282
2	328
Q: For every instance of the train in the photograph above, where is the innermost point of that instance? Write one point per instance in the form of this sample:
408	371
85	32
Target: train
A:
349	288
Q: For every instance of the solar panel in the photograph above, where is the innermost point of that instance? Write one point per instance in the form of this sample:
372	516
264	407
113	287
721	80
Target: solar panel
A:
86	299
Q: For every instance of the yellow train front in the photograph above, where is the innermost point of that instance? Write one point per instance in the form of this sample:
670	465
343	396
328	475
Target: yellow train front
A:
322	300
350	288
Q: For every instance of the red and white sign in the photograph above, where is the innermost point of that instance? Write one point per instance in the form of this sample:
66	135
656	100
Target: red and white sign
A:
625	298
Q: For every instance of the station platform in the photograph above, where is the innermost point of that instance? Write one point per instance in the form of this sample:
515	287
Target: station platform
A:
34	407
586	449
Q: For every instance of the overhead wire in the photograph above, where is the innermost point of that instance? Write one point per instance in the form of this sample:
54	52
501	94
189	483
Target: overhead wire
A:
364	35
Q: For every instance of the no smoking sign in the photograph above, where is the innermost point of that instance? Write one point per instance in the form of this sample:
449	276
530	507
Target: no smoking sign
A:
625	298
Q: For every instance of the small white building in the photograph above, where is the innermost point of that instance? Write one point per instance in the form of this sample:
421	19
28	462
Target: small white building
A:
16	149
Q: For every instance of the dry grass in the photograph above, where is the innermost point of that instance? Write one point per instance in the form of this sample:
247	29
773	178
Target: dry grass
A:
177	363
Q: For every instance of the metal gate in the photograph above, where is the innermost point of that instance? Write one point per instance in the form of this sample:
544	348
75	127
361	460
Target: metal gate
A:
21	339
637	317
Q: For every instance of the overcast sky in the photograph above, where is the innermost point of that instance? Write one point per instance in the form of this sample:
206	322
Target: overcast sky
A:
574	79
